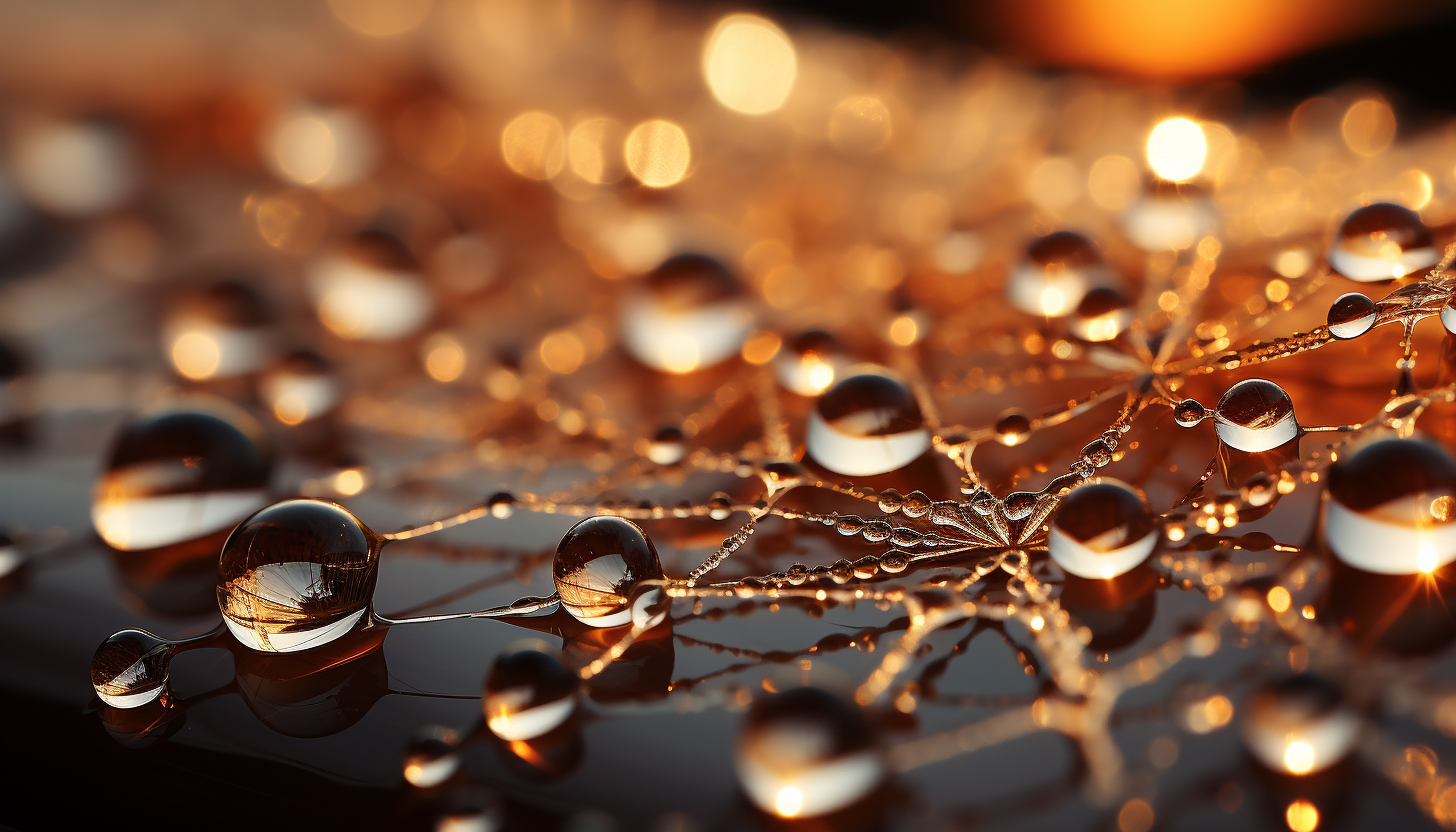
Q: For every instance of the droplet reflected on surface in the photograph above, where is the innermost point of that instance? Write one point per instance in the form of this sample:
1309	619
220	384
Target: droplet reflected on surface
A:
1255	415
179	474
431	757
1101	529
219	332
130	669
527	694
1382	242
688	313
805	752
599	563
1353	314
1056	273
1299	725
370	289
296	575
1389	507
866	425
809	362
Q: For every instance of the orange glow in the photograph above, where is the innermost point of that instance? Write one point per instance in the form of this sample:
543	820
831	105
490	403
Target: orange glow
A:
1302	816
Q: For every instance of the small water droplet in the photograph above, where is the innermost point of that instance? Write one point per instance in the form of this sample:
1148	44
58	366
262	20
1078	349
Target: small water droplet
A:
528	693
1352	315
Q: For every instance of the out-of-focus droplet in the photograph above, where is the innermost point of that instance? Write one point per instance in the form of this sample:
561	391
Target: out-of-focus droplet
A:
1056	273
958	252
1102	529
321	147
599	564
130	669
1353	314
1255	415
527	694
688	313
75	168
444	357
1383	241
805	752
465	263
866	425
1013	428
472	809
296	575
1389	508
1299	725
1103	314
370	289
1368	126
749	64
668	446
181	473
432	757
809	362
303	386
219	332
1169	217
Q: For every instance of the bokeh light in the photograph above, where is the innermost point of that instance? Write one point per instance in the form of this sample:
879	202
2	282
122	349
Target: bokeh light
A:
749	64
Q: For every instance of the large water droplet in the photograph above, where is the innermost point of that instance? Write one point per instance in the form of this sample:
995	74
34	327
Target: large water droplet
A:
865	425
1382	242
1055	274
1255	415
810	362
599	564
1102	529
370	289
296	575
1392	507
181	473
688	313
527	694
805	753
1299	725
1352	315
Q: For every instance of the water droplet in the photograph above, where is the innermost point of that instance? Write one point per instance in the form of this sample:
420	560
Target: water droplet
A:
1055	274
1188	413
131	668
181	473
599	563
431	757
891	501
1299	725
1102	315
296	575
1013	428
1018	505
810	362
1389	507
370	289
720	506
1352	315
527	694
688	313
866	425
219	332
1169	217
916	504
472	809
668	446
1448	315
1102	529
805	753
1255	415
502	504
301	387
1382	242
894	562
1097	453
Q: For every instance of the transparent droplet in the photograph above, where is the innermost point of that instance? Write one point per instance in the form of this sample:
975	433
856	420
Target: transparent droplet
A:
1188	413
370	289
131	668
528	693
219	332
1353	314
75	168
1255	415
1382	242
805	752
1103	314
810	362
1448	315
432	757
502	504
1102	529
302	387
1055	274
689	313
1299	725
668	446
181	473
1013	428
866	425
297	574
1169	217
1390	507
599	563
